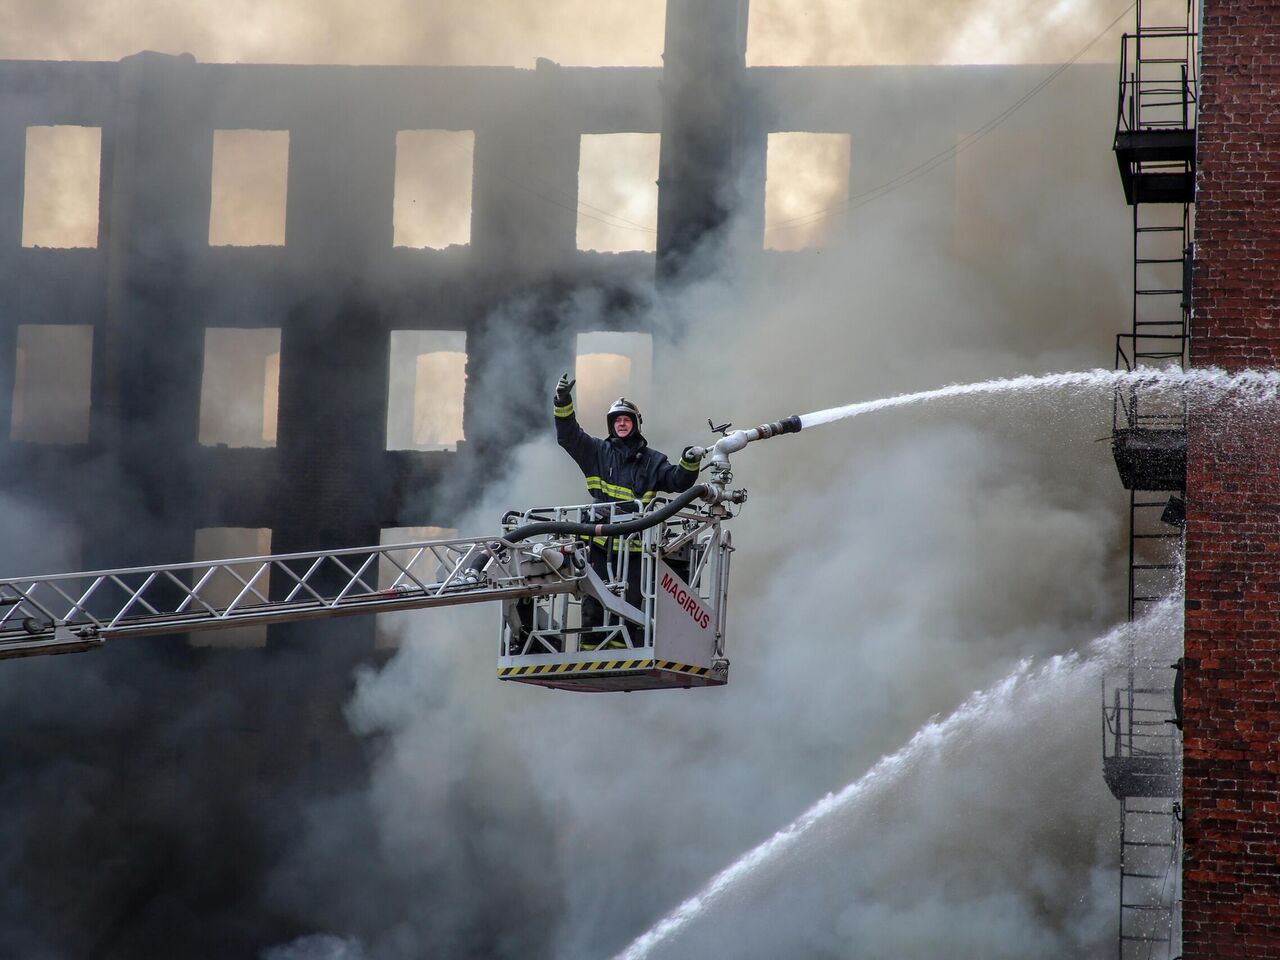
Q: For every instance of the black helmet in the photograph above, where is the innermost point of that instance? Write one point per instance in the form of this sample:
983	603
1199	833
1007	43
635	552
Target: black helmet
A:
620	407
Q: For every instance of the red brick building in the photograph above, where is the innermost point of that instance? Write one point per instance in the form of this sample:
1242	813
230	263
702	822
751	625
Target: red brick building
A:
1231	775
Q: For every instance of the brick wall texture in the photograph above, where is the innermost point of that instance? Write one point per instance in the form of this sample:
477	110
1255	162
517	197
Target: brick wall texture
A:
1231	785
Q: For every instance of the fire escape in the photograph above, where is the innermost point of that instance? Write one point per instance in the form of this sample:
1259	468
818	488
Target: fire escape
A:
1155	150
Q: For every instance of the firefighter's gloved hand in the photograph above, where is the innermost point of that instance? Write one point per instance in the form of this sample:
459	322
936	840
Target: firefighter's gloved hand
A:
693	454
564	395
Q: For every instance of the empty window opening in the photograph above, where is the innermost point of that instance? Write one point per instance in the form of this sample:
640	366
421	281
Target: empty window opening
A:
271	395
424	566
228	583
618	192
611	365
433	188
249	188
60	187
240	388
428	380
806	189
52	373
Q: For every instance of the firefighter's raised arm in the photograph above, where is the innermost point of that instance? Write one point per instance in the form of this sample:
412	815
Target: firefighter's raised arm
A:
569	434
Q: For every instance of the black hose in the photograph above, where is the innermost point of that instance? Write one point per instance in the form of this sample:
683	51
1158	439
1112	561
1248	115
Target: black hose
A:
609	529
538	528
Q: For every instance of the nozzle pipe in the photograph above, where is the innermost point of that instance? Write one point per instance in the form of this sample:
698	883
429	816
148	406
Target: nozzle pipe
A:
735	441
785	425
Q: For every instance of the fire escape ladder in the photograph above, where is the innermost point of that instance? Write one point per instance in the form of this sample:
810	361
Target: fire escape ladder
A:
1155	547
1155	150
1155	123
1142	752
1150	878
1142	748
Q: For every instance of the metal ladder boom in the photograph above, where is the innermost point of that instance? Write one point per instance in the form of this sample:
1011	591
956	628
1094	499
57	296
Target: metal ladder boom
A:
70	612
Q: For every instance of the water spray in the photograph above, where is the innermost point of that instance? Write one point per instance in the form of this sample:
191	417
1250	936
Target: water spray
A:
1196	384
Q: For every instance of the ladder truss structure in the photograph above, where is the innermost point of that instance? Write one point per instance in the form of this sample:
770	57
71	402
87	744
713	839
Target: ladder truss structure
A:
78	611
1155	151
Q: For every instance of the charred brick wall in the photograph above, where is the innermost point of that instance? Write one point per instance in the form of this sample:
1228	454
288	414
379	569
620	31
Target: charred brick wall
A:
1231	783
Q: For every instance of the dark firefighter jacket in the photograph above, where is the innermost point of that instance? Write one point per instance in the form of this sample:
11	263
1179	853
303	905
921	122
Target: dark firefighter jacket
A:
621	470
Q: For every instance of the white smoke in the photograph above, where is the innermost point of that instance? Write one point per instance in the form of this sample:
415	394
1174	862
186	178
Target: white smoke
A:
886	568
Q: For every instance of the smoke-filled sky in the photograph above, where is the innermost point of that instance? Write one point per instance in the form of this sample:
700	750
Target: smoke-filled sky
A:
514	32
885	570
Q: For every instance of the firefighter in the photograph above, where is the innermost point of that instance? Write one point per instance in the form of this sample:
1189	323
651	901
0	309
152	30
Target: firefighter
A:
620	469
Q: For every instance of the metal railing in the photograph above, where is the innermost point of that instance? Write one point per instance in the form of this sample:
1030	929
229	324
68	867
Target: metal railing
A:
692	542
1158	82
1138	719
1155	408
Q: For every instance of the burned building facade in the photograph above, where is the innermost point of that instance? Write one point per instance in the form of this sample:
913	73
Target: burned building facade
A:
137	479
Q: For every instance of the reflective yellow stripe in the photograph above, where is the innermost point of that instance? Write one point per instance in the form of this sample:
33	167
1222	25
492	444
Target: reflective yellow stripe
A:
617	491
690	465
563	412
633	545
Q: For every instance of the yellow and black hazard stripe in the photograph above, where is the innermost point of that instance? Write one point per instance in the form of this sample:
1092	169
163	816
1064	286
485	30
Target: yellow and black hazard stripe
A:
600	666
593	666
683	668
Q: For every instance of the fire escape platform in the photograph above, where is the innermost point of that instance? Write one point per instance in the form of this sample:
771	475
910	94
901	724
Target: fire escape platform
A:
1142	776
1135	149
1151	459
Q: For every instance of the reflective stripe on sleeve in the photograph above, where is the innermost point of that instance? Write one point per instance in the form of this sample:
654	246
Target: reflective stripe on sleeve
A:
565	411
617	491
633	545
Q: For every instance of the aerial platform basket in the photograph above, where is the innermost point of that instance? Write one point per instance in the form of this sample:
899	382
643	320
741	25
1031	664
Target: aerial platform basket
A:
671	637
